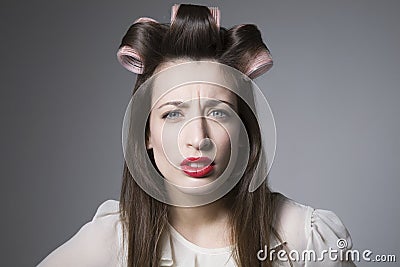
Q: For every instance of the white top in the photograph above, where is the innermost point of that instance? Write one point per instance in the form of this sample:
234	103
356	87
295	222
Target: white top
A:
99	242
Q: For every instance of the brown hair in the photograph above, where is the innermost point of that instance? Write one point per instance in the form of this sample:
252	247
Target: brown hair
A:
194	35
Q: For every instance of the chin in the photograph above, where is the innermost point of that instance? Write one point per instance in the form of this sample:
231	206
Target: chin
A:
194	186
191	182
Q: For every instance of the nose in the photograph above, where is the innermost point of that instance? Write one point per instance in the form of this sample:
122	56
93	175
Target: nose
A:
196	134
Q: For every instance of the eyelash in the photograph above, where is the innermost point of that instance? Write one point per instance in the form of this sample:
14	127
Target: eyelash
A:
224	113
166	114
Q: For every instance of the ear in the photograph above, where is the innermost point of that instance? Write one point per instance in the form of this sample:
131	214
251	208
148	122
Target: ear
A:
148	143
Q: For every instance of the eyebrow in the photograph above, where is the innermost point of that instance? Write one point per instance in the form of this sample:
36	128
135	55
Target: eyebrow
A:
173	103
210	102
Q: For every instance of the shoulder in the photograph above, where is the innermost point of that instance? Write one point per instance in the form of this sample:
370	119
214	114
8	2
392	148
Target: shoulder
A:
107	209
305	228
292	221
95	244
105	222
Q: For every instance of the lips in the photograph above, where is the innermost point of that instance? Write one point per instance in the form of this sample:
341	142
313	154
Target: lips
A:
197	167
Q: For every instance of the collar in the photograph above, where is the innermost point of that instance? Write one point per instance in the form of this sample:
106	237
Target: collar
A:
166	254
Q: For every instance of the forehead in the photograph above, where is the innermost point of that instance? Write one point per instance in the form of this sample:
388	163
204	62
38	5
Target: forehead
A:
195	91
189	80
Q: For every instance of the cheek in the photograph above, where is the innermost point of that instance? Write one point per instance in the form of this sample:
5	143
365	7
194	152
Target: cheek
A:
223	139
164	145
155	141
228	142
155	132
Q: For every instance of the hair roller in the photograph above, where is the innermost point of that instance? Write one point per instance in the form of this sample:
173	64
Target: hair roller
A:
259	65
245	50
140	47
130	59
145	20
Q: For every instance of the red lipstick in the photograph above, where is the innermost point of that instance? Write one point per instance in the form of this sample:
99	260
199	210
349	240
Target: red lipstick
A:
197	167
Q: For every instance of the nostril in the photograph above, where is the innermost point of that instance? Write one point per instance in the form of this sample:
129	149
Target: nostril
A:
205	143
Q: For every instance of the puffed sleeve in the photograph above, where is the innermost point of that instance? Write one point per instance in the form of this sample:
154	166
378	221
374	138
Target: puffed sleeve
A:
95	244
327	234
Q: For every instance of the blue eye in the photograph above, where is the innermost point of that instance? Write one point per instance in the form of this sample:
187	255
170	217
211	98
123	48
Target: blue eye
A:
219	113
174	114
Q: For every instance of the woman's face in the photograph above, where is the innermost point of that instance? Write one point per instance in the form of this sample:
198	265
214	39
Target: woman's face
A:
191	131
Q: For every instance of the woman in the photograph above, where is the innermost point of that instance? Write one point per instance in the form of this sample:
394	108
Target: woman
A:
194	191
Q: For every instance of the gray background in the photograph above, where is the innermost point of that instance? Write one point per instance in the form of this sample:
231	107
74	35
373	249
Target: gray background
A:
334	91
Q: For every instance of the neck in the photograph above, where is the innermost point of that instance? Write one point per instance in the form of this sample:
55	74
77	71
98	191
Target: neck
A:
194	217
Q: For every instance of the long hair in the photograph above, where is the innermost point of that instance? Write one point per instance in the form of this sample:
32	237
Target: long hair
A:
194	35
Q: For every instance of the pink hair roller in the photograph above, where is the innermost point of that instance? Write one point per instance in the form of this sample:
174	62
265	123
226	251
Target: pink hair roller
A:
145	20
262	62
128	57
